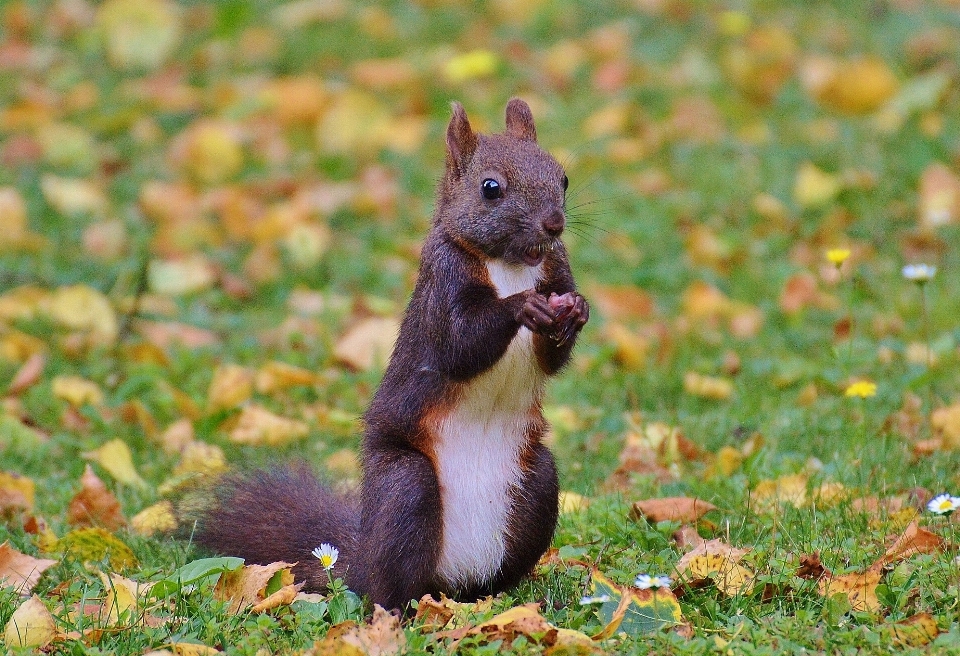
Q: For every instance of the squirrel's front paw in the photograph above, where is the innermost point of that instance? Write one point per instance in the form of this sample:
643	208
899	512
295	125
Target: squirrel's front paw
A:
537	314
572	313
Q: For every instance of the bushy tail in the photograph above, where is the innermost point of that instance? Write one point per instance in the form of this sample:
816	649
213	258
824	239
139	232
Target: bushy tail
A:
281	515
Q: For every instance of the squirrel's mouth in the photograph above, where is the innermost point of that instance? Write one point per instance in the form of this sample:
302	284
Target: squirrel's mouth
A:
533	255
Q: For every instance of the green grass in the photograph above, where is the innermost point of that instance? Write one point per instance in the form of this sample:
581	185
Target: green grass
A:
619	236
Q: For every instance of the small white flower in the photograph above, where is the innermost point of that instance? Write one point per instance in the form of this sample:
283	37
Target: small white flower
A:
645	582
943	504
602	599
328	554
919	272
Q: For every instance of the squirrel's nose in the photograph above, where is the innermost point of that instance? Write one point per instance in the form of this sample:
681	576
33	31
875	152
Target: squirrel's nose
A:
553	224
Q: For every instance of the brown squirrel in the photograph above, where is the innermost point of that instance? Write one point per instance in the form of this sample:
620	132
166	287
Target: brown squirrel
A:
459	495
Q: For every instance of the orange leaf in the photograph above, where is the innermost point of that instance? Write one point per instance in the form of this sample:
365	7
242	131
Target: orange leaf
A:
914	540
94	505
860	589
20	571
677	509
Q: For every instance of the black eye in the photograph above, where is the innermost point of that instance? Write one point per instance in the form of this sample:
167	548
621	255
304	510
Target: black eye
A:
491	189
566	183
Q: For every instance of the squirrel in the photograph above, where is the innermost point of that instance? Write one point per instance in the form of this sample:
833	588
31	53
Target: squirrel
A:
459	494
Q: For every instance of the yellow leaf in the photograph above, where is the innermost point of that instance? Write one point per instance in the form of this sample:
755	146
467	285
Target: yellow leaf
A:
707	387
201	458
20	571
184	276
31	625
946	425
13	222
571	502
77	391
16	492
859	588
916	631
306	243
73	196
115	457
367	344
258	426
139	34
158	518
231	386
790	489
122	596
192	649
814	188
82	308
718	561
471	66
856	86
210	151
247	586
630	346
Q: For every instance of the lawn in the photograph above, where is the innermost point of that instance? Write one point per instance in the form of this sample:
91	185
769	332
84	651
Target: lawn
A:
210	219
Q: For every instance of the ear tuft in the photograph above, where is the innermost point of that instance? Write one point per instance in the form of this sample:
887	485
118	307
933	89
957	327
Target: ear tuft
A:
461	140
520	121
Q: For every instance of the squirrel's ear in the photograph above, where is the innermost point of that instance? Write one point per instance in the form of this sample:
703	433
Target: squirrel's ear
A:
461	140
520	120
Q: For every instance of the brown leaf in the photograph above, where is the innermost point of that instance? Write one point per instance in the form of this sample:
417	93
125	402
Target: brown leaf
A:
914	540
95	505
20	571
938	196
946	425
230	386
717	561
687	538
622	303
811	568
282	597
31	625
677	509
28	374
258	426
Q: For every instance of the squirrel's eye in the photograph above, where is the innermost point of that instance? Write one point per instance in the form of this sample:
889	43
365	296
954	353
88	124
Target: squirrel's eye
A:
566	183
491	189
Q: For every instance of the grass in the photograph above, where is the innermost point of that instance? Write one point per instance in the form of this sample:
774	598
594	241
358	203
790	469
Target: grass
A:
623	233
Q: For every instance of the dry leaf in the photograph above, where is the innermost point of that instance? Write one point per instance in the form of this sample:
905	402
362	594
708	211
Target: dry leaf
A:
718	561
258	426
792	489
914	540
231	386
20	571
139	34
31	625
201	458
28	375
938	196
192	649
84	309
946	425
675	509
247	586
187	275
177	436
367	344
94	505
77	391
859	588
687	538
115	457
857	86
916	631
815	188
282	597
123	596
17	493
382	637
571	502
276	376
707	387
158	518
811	568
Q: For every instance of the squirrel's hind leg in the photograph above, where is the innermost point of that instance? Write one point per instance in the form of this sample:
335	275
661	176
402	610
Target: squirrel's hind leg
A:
283	515
401	525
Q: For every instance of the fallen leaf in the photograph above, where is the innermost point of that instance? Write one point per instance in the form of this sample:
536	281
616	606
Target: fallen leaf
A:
28	375
814	188
790	489
123	599
276	376
248	586
20	571
230	386
717	561
73	196
856	86
84	309
17	493
675	509
811	568
192	649
916	631
707	387
77	391
187	275
158	518
201	458
383	636
139	34
177	436
946	425
367	344
94	504
914	540
282	597
860	588
31	625
571	502
938	196
631	611
115	457
687	538
258	426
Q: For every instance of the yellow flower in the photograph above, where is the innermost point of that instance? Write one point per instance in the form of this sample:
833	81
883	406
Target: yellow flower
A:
862	389
838	255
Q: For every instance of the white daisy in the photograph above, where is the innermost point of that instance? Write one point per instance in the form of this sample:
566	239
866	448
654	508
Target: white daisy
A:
919	273
646	582
943	504
327	554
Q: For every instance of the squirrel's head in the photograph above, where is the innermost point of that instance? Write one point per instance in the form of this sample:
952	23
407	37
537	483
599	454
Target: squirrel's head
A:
502	194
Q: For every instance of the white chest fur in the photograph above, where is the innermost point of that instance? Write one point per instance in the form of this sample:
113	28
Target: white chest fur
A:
479	446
